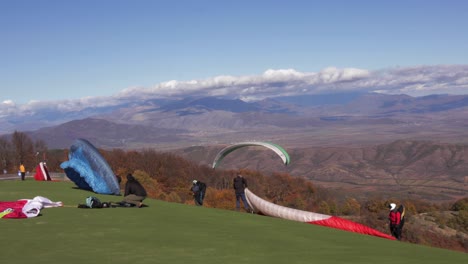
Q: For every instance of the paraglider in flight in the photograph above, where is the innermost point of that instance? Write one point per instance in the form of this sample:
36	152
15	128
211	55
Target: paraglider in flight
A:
89	170
227	150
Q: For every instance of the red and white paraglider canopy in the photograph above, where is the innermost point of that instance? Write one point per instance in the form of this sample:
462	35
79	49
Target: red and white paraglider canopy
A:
42	174
264	207
26	208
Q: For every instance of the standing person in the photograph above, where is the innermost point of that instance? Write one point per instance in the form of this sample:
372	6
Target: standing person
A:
394	218
135	193
239	184
22	171
198	190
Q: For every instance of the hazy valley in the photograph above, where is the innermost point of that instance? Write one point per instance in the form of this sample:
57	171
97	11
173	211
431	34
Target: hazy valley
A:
362	143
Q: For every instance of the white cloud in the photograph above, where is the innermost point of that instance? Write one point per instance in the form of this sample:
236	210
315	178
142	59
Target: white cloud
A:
8	102
270	83
415	81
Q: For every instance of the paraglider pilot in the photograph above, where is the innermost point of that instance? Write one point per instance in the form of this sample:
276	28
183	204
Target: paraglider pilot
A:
239	184
394	218
135	193
198	190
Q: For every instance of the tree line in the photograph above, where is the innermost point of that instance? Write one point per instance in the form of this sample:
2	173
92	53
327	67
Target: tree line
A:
20	148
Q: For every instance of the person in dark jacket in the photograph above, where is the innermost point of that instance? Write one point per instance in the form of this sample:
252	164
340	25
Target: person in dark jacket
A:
135	193
198	190
239	184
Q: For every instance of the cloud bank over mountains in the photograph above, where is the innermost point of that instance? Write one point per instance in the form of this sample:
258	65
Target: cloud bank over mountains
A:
414	81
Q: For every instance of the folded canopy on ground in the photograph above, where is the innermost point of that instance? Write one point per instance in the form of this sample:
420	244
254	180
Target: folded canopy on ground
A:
89	170
42	173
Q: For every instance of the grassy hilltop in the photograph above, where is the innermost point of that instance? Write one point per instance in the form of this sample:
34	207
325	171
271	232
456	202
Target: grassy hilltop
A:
177	233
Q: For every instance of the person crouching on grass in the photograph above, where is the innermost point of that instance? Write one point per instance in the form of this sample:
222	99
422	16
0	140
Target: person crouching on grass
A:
135	193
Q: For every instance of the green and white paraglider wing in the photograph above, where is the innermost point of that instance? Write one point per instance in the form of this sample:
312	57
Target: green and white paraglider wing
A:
229	149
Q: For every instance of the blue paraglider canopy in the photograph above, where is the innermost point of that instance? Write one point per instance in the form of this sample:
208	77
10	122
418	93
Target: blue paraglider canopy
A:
89	170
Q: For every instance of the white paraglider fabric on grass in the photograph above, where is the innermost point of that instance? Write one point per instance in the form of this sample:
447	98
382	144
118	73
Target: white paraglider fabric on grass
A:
26	208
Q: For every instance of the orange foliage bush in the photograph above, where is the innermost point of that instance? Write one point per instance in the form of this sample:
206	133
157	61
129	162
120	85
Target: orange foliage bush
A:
224	199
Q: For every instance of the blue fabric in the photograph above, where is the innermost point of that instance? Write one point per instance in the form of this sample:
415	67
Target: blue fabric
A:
89	170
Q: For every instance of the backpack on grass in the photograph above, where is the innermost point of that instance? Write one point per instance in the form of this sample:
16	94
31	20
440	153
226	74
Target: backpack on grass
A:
93	202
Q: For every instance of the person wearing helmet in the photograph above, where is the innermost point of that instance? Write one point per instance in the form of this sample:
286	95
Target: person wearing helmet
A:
394	218
198	191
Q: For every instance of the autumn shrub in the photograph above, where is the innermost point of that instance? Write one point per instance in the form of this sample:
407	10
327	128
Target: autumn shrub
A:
324	208
460	205
152	186
374	205
172	197
351	207
223	199
459	221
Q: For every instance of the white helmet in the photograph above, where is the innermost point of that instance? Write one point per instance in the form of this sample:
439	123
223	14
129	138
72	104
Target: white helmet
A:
194	181
392	206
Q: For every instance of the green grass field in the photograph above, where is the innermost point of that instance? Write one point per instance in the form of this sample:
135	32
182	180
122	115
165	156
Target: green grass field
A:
176	233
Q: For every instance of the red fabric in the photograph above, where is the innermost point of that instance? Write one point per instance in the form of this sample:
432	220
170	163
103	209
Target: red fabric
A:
38	176
347	225
394	217
17	207
42	175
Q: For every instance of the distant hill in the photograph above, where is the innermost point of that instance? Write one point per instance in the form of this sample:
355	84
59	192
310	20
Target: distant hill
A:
361	119
104	134
421	170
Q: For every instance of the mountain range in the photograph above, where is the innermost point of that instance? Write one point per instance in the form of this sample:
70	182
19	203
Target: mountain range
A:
322	120
357	141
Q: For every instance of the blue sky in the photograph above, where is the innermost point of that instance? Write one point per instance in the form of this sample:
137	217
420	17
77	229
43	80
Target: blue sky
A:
58	50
